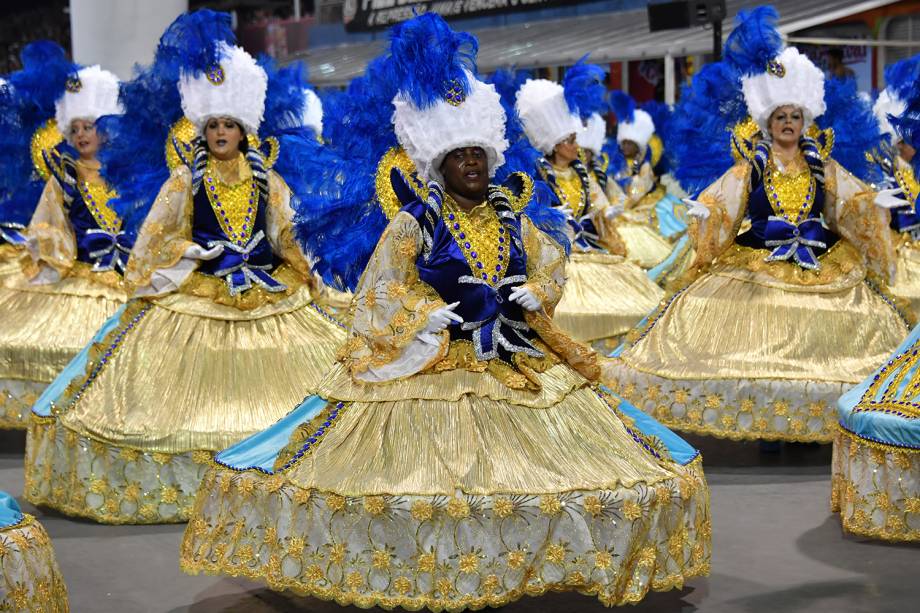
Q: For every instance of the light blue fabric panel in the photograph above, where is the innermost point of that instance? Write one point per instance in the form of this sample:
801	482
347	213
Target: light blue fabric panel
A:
681	451
877	426
76	368
669	225
656	273
260	450
10	514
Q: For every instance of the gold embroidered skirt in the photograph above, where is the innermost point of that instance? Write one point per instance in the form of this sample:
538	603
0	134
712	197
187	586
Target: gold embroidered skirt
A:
29	576
455	499
604	297
754	350
876	488
44	326
171	381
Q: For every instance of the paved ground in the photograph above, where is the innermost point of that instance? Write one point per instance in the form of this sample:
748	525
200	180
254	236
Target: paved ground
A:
776	548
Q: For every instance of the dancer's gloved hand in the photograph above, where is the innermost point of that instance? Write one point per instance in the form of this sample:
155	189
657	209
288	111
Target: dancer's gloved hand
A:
438	320
525	297
696	209
891	198
197	252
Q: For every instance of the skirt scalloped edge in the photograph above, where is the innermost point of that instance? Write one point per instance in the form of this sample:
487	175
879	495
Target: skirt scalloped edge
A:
875	488
30	579
112	485
450	553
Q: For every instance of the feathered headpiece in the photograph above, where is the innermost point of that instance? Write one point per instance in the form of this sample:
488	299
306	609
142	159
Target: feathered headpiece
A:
134	158
632	124
900	79
234	87
547	119
90	94
441	105
772	76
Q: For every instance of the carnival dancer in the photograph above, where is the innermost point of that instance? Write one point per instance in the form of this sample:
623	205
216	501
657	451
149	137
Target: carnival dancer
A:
893	158
74	248
224	336
606	294
29	576
456	456
791	312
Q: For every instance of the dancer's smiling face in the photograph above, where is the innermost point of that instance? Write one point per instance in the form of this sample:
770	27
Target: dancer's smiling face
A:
84	138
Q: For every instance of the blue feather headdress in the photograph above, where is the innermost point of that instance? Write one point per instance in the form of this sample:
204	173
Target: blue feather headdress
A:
585	90
134	158
754	41
26	103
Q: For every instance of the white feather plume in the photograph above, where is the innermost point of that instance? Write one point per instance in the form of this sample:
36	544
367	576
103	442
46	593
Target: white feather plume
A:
95	94
240	93
546	117
593	135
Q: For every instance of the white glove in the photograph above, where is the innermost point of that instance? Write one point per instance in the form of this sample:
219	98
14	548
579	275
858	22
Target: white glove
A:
197	252
566	210
613	211
438	320
696	209
525	297
888	200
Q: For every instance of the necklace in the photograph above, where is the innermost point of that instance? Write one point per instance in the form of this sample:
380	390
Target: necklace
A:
481	238
96	196
791	195
233	205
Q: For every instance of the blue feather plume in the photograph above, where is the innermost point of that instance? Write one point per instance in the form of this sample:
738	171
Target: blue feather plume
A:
339	222
134	156
622	105
901	77
429	58
699	138
856	129
546	217
284	98
520	156
26	103
754	40
585	88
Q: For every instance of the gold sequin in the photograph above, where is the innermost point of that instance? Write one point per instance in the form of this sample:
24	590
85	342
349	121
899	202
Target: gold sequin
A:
235	203
477	233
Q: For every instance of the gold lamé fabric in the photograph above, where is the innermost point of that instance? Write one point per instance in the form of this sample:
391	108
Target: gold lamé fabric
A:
907	279
182	382
604	296
44	326
731	324
477	445
644	246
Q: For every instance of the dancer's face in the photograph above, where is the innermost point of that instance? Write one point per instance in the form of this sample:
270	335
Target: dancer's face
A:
566	151
629	148
466	174
786	125
224	135
84	138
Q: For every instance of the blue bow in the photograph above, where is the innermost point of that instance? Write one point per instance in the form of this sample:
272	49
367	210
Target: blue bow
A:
794	241
498	330
108	251
233	265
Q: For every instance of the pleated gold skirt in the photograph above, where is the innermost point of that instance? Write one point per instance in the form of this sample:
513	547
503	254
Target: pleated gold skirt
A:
746	355
177	379
43	327
604	297
459	503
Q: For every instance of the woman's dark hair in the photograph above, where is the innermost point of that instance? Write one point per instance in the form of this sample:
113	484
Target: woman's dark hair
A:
244	140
